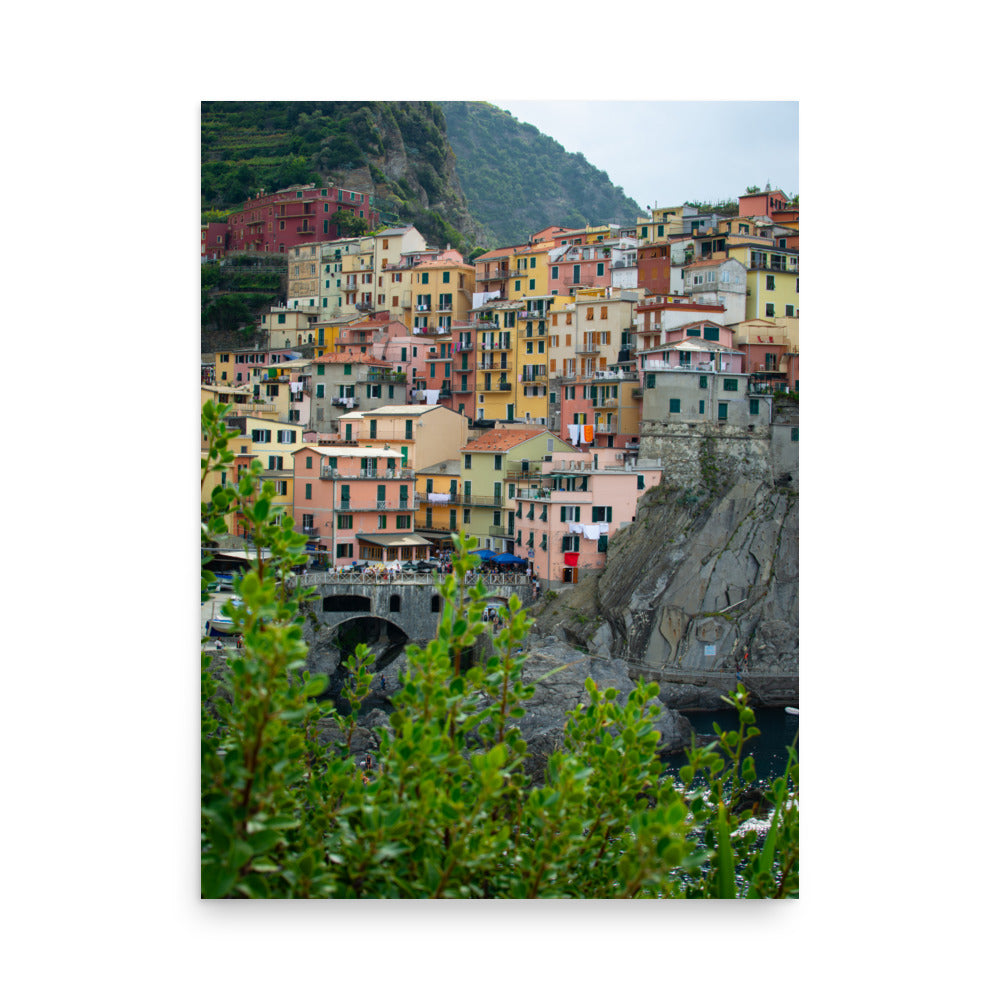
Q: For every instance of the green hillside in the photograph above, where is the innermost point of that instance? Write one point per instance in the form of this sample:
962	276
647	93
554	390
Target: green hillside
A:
518	180
464	173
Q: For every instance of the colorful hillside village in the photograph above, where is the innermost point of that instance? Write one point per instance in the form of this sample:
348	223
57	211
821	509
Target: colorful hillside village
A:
402	393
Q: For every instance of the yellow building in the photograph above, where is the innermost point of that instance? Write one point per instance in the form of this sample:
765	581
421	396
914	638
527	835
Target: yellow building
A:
439	494
530	359
273	443
772	278
440	292
495	378
529	275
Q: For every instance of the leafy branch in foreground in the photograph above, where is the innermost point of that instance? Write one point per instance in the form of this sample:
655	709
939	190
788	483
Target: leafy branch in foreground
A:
448	811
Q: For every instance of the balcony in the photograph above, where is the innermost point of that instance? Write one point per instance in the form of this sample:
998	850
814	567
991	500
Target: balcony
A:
499	387
385	375
587	348
475	501
493	366
453	498
498	531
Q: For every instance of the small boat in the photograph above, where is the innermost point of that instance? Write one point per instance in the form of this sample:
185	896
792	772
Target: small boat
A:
221	624
791	711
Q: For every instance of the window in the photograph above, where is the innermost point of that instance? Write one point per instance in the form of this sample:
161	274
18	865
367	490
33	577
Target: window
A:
309	491
789	310
345	550
730	384
403	521
769	309
702	381
468	461
754	407
675	406
381	521
309	461
345	520
723	411
602	514
710	333
446	278
795	433
770	283
701	406
320	391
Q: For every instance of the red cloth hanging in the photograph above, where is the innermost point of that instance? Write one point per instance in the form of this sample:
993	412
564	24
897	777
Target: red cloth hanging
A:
572	558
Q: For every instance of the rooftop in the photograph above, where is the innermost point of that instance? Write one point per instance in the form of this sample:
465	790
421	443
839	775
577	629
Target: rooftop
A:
503	438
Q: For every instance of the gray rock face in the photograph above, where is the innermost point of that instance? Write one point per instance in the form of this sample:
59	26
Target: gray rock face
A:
696	582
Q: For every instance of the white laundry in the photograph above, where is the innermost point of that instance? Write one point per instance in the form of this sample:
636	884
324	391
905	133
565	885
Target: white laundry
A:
439	497
576	529
603	525
574	433
431	396
591	531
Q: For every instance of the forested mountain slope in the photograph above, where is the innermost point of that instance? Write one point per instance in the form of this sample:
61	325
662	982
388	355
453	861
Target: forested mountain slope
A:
518	180
464	173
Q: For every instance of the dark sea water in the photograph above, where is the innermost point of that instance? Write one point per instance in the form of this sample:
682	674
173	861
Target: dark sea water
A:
769	750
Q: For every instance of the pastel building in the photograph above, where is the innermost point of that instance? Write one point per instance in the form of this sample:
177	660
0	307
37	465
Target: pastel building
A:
772	279
490	465
423	435
356	504
340	383
566	510
574	267
675	395
439	495
441	292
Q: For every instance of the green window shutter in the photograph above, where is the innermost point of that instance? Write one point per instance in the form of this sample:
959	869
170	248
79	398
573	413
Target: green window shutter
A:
371	428
321	369
640	482
347	369
701	406
424	278
754	406
702	381
309	491
446	278
409	430
723	411
380	493
602	543
650	380
675	406
730	384
710	333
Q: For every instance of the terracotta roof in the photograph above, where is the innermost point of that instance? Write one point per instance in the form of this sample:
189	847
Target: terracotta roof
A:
503	438
343	358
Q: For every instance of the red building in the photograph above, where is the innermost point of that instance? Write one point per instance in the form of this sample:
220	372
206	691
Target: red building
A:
274	223
763	203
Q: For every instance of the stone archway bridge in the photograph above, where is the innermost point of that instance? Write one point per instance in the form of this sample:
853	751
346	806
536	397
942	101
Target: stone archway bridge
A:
409	601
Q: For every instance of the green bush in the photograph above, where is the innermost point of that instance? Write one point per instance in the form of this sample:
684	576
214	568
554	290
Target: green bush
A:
449	811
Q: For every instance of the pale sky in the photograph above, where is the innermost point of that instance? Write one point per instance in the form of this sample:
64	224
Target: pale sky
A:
668	152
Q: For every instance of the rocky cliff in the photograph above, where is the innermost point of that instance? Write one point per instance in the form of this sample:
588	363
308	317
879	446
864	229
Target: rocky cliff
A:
705	581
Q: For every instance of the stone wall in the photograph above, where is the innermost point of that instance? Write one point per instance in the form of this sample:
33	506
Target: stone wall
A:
708	455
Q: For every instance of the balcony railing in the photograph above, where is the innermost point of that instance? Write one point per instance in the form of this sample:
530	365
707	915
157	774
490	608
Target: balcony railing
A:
383	375
499	531
494	366
588	349
453	498
476	501
326	472
499	387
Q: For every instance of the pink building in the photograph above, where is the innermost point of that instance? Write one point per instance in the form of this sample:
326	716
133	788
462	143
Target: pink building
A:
565	517
356	503
288	218
214	240
585	266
